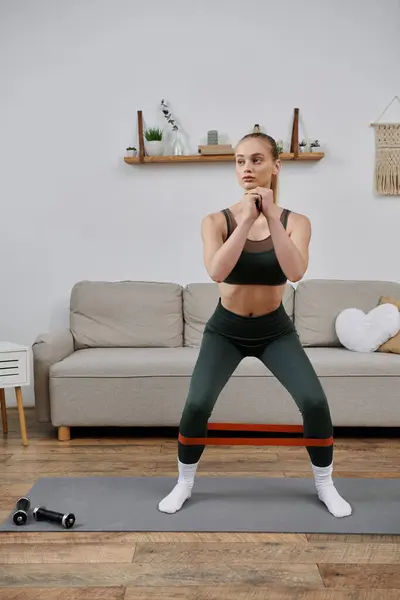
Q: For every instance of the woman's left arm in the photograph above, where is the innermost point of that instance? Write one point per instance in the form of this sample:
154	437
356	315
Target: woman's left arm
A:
291	249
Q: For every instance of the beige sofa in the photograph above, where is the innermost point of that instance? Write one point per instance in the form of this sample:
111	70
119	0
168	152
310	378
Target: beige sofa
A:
127	358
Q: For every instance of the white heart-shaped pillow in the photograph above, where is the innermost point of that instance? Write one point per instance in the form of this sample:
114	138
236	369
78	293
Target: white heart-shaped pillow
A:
363	332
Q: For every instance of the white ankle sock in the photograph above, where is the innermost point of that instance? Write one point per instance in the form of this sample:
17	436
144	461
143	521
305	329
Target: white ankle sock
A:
182	490
327	492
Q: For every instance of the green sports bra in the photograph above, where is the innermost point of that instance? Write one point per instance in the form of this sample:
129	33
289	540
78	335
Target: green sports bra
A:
257	264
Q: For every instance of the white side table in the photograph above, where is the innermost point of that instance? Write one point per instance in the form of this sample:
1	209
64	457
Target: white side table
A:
14	372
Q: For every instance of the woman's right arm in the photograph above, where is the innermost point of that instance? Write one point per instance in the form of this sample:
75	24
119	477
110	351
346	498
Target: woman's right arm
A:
220	257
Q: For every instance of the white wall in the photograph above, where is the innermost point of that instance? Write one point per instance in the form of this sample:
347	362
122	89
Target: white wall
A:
73	75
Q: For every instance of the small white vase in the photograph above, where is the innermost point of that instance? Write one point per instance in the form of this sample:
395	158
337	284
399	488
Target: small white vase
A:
178	148
154	148
131	153
303	149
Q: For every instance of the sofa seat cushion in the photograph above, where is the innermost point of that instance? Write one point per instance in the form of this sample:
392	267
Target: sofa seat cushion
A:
340	362
179	362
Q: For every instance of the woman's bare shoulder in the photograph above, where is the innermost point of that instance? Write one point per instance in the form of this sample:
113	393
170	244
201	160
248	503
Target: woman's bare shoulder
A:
217	223
297	220
220	216
212	216
214	223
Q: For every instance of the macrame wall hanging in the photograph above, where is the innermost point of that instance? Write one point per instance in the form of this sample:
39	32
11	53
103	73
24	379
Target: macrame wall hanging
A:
387	160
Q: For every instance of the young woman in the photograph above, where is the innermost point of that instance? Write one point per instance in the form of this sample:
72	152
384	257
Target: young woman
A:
251	249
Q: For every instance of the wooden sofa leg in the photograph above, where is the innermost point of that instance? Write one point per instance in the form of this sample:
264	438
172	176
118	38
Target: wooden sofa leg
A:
64	434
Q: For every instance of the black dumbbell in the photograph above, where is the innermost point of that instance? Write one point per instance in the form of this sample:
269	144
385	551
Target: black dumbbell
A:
41	513
20	516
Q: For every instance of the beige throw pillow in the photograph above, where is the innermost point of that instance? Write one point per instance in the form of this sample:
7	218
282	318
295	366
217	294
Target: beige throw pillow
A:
393	344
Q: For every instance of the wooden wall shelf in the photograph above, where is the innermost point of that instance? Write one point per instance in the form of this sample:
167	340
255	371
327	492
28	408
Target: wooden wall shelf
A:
286	156
293	155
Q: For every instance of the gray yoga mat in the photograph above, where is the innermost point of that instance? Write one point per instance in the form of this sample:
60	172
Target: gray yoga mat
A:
218	504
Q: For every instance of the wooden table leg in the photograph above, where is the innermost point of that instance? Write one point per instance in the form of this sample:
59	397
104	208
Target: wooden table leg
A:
3	411
21	415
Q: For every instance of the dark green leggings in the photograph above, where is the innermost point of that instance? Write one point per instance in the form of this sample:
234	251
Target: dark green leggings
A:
272	338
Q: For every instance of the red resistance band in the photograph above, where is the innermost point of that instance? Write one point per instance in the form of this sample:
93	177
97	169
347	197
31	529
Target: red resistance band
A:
190	441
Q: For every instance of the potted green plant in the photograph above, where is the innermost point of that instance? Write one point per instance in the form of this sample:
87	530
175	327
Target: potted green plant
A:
131	151
303	146
315	146
279	145
154	141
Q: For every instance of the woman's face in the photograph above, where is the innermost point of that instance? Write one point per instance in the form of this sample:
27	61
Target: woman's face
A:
255	164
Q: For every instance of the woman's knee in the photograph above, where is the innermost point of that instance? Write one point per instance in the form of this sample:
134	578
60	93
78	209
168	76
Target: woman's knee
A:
196	410
316	412
195	416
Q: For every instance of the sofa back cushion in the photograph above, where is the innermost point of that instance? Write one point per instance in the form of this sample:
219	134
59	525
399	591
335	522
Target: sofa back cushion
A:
126	314
200	301
318	302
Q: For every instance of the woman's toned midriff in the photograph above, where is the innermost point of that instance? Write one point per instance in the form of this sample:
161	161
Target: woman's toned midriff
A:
251	300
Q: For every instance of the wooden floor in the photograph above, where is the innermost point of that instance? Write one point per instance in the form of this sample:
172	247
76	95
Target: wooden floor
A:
174	566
